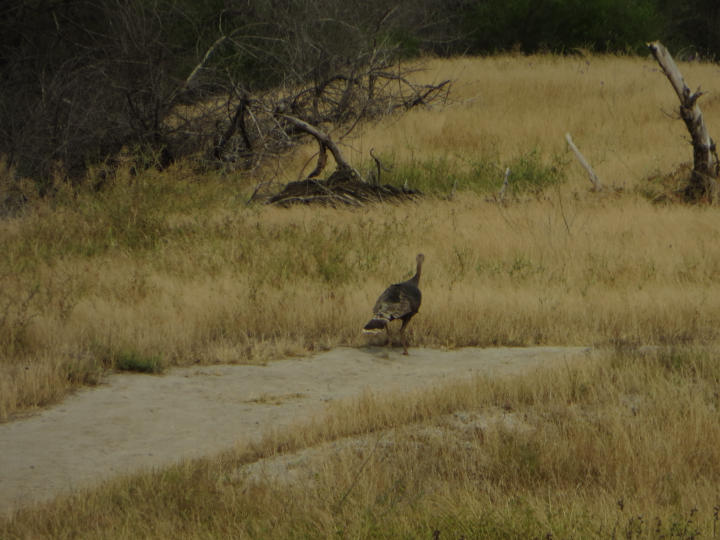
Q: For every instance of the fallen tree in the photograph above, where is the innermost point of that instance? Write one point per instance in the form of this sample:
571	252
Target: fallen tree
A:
266	125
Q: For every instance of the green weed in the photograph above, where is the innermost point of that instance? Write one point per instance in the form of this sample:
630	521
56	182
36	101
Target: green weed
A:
134	361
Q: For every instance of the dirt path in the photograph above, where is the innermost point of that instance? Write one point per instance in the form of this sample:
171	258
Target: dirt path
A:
139	421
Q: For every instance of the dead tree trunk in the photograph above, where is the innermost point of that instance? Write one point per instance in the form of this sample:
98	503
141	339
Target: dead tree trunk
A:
703	181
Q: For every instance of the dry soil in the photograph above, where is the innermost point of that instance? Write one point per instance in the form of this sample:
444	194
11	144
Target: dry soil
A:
133	422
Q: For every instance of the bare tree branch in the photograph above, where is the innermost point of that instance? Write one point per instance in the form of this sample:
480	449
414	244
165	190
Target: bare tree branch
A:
503	189
597	186
324	141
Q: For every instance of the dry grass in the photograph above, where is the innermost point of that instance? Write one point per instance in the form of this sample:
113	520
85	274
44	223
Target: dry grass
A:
235	286
625	445
166	267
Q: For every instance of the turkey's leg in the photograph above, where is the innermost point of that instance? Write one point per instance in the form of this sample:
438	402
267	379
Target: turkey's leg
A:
403	340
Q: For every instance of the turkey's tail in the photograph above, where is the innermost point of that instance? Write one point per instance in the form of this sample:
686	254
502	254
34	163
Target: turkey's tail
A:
376	324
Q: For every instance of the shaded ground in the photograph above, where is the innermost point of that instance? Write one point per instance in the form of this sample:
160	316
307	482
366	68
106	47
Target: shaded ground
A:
139	421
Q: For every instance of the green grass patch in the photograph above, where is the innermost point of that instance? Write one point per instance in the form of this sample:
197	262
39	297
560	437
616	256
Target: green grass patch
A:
529	174
139	363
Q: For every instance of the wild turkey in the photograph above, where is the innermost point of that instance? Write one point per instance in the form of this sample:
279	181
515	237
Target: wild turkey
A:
399	301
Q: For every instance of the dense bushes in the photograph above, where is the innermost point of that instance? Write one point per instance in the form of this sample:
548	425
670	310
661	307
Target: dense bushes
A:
693	25
561	25
602	25
81	79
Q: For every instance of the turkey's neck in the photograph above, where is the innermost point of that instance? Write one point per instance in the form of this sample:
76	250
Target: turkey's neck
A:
416	278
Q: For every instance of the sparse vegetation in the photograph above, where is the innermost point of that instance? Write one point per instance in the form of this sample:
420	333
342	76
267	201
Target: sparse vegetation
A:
163	266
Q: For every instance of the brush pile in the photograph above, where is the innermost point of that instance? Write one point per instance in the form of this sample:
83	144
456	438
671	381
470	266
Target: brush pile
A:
344	187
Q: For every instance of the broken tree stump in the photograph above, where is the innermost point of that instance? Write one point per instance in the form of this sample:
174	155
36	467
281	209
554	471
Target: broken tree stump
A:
703	180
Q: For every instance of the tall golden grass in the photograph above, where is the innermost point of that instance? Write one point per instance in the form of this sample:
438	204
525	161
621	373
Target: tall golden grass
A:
178	268
234	286
175	266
